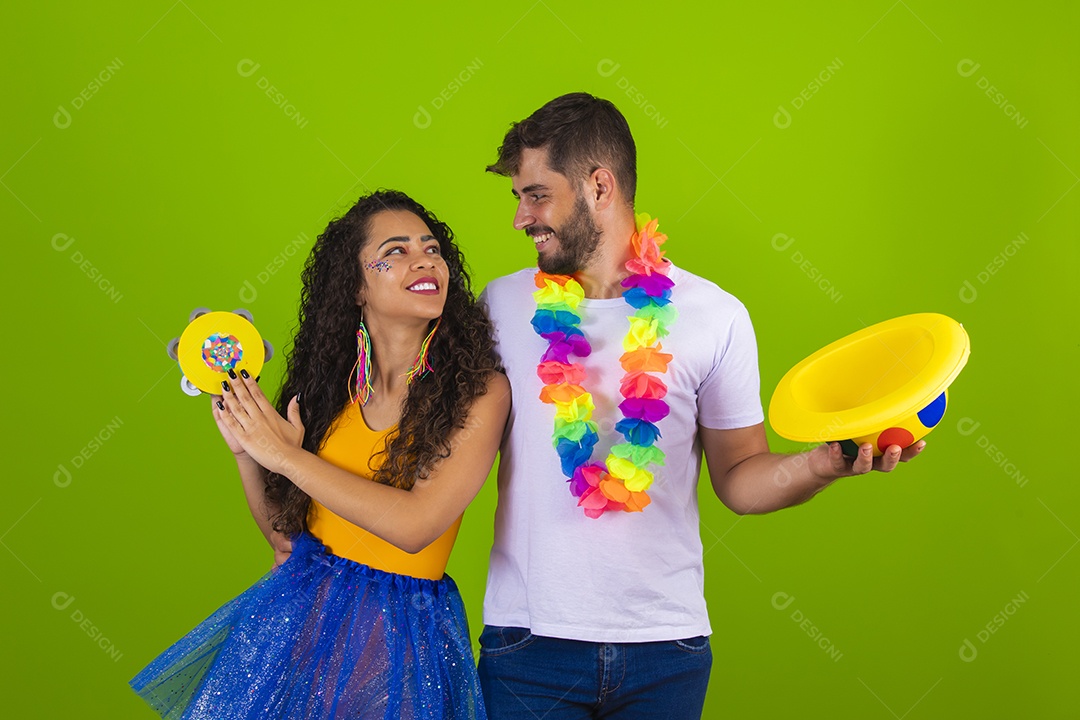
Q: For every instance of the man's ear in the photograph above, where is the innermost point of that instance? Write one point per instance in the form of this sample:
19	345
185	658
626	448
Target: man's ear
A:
600	189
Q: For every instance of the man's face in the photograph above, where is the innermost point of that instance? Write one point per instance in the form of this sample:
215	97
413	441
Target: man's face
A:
553	213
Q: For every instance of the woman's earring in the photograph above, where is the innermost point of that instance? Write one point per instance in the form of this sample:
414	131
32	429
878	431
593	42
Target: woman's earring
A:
362	368
422	367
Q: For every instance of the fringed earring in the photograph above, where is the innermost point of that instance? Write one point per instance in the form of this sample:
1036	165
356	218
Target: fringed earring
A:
362	368
422	367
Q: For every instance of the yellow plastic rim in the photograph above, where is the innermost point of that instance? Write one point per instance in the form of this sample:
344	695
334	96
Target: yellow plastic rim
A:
870	380
213	343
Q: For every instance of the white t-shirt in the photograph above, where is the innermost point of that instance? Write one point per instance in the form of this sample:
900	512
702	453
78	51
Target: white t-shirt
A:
624	577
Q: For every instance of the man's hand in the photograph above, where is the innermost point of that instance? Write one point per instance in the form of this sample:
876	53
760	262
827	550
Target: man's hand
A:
828	461
748	478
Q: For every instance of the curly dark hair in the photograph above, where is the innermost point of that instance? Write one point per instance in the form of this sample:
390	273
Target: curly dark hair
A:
462	354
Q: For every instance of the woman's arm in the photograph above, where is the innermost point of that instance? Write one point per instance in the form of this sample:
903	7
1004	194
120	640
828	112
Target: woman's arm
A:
408	519
253	480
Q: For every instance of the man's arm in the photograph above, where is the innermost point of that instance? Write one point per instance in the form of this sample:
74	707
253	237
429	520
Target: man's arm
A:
749	479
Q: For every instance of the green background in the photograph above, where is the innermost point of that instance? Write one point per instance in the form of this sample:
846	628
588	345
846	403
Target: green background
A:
181	183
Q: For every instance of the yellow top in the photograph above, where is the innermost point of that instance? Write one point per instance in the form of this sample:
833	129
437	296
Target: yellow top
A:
350	444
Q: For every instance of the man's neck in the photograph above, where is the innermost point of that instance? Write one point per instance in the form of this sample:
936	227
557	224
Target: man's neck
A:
602	277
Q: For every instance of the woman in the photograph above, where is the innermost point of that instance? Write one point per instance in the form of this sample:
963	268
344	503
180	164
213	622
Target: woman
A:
394	409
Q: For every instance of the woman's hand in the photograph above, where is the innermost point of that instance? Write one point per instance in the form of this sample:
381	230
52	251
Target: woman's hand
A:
257	427
230	439
282	549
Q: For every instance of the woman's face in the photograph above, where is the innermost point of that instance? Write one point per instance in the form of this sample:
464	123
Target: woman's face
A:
405	275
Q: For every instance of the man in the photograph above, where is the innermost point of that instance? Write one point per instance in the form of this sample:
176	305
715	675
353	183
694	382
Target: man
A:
594	603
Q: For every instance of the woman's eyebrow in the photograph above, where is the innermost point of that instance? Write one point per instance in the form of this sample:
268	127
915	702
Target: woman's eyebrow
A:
405	238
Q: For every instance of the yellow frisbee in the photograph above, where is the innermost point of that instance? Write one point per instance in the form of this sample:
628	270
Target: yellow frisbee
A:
885	384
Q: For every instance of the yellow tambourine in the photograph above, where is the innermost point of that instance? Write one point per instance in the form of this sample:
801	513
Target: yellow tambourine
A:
214	343
885	384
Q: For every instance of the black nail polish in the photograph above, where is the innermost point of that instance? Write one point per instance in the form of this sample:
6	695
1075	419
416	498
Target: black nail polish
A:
225	386
257	377
232	373
220	405
244	374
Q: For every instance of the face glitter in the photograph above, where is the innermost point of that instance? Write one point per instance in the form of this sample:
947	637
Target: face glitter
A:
378	265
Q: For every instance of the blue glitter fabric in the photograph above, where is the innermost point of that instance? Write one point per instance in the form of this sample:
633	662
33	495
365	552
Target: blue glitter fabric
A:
323	637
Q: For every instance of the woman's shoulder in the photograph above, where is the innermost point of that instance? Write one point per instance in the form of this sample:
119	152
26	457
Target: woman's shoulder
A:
493	405
498	384
496	397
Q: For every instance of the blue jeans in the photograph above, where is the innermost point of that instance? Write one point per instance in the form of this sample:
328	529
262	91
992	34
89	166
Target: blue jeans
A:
527	676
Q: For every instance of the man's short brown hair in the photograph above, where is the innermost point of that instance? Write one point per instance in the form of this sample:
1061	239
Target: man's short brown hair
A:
581	134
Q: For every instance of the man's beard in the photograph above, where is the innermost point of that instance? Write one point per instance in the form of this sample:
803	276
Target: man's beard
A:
578	239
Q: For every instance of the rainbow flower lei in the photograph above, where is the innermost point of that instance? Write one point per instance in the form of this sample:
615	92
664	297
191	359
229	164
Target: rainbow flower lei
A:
621	482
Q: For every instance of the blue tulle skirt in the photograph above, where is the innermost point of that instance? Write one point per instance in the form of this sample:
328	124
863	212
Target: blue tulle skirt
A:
323	637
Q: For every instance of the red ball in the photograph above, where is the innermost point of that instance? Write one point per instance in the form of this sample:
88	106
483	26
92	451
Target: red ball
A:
894	436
